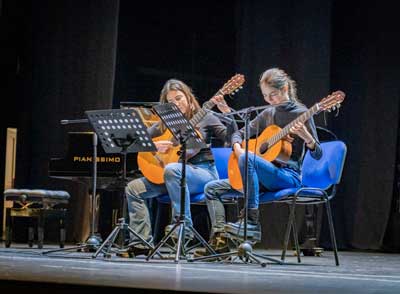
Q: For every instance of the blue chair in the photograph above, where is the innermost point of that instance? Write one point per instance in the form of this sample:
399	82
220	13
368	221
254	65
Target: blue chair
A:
319	184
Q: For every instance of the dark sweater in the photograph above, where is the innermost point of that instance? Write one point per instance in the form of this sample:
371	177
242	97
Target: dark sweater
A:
281	115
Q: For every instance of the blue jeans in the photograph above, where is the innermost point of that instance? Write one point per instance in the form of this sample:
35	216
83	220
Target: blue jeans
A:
271	177
139	189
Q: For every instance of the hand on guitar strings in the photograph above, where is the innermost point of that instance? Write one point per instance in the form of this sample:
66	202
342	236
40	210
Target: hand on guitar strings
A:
238	150
163	146
301	131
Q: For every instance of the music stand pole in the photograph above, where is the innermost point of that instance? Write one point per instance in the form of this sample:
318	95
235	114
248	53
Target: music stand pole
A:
93	241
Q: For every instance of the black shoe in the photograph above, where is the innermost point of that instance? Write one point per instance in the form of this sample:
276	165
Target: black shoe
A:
133	251
136	251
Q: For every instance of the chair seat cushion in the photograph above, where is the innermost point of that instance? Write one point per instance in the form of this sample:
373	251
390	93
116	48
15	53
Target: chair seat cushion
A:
36	195
285	193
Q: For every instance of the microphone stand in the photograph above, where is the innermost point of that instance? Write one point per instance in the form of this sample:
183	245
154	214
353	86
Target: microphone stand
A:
93	241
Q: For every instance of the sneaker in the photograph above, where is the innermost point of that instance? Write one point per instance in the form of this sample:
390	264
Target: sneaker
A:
218	242
237	229
188	233
253	225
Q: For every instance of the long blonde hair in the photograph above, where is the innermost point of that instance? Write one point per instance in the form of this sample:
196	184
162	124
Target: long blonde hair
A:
279	79
177	85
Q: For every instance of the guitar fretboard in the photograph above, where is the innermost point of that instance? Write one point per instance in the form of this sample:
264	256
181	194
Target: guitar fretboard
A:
285	131
203	111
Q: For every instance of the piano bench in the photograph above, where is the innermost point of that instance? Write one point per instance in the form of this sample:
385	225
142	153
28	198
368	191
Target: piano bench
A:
39	204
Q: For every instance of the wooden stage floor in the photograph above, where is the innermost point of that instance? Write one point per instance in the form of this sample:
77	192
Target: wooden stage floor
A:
24	268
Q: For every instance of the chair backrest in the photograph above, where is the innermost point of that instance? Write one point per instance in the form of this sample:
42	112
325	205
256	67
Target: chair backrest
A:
326	171
221	157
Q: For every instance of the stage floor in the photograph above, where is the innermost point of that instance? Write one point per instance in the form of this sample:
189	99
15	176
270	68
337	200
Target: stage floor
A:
359	272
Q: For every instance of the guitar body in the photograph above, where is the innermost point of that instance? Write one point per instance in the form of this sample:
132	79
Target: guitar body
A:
152	164
281	152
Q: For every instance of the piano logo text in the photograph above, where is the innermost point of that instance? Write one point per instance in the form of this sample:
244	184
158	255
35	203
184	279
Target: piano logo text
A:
99	159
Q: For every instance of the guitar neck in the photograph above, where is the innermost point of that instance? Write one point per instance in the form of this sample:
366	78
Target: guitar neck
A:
203	111
285	131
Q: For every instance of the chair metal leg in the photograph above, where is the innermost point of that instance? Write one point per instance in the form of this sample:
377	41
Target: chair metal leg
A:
296	239
288	228
332	231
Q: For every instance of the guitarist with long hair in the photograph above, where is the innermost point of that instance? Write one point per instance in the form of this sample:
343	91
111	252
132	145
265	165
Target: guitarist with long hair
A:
278	90
200	167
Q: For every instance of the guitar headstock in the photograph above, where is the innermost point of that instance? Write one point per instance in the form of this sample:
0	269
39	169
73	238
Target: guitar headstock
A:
233	85
332	101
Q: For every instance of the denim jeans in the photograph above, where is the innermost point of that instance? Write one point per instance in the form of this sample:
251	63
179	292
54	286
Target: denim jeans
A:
139	189
271	177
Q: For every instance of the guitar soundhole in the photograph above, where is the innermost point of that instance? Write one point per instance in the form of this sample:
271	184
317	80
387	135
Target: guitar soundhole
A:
263	148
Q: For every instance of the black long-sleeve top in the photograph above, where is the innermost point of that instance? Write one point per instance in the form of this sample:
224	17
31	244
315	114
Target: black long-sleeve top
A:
281	115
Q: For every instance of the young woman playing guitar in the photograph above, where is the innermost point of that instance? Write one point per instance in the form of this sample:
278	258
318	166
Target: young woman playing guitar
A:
278	90
200	167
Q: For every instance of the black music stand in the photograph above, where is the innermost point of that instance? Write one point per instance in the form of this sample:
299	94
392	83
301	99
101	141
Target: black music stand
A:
244	250
185	133
120	131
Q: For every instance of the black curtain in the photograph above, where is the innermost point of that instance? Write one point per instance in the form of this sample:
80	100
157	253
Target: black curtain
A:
66	54
296	37
364	63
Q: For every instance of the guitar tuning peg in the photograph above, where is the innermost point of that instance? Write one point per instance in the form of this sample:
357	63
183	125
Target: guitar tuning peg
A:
333	108
237	90
338	105
329	110
241	87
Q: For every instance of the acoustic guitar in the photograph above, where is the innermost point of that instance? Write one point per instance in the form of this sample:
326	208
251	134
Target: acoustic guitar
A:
152	164
270	144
